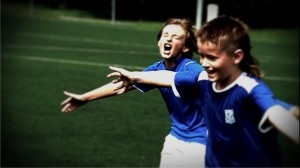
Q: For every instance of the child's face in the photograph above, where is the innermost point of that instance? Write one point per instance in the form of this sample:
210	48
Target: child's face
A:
220	66
172	41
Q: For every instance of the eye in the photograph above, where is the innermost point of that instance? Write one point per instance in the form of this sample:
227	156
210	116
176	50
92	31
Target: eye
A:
176	37
210	57
165	34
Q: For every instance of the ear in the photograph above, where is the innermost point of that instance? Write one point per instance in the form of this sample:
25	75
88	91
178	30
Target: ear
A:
238	56
185	49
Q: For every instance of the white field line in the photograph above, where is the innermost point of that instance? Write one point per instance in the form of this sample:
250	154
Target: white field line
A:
286	79
88	40
89	20
97	41
66	61
282	60
77	62
57	48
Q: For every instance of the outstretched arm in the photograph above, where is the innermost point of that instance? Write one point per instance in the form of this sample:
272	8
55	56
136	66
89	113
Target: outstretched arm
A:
286	122
158	78
76	100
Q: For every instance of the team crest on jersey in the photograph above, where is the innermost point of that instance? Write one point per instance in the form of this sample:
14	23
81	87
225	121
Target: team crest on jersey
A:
229	117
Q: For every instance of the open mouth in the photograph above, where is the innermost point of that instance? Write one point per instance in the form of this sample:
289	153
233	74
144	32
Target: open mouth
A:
167	47
210	71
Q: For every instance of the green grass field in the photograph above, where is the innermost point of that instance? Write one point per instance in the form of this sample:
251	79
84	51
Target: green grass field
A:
45	54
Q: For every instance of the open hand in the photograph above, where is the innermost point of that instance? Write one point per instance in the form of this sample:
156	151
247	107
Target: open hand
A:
122	79
72	102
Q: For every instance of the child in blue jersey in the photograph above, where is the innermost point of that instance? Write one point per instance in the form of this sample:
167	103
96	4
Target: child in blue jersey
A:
242	114
184	146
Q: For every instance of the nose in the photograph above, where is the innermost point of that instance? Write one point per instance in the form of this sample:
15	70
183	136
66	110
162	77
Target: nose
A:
204	62
168	38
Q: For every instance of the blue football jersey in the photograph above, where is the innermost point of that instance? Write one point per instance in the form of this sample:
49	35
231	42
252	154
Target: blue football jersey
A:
233	116
187	121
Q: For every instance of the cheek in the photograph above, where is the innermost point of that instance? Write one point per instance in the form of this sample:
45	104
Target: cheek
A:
159	43
200	60
219	64
225	65
178	43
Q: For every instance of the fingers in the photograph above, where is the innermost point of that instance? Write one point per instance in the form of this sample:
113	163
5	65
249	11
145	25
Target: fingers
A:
68	108
121	91
66	93
66	101
121	71
64	109
120	86
116	69
114	74
69	94
70	103
115	81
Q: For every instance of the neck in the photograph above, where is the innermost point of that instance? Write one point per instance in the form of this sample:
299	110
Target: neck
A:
229	80
171	62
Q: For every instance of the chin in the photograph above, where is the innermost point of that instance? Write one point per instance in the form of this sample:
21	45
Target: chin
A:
212	79
167	57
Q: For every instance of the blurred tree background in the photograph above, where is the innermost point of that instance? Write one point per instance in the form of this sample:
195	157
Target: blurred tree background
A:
256	13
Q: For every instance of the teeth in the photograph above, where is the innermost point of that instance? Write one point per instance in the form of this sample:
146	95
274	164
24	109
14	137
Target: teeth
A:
167	47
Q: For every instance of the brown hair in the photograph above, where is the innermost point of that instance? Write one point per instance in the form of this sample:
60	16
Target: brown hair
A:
187	25
230	34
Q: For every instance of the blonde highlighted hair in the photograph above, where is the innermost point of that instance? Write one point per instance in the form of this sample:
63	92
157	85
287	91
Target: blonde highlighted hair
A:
230	34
